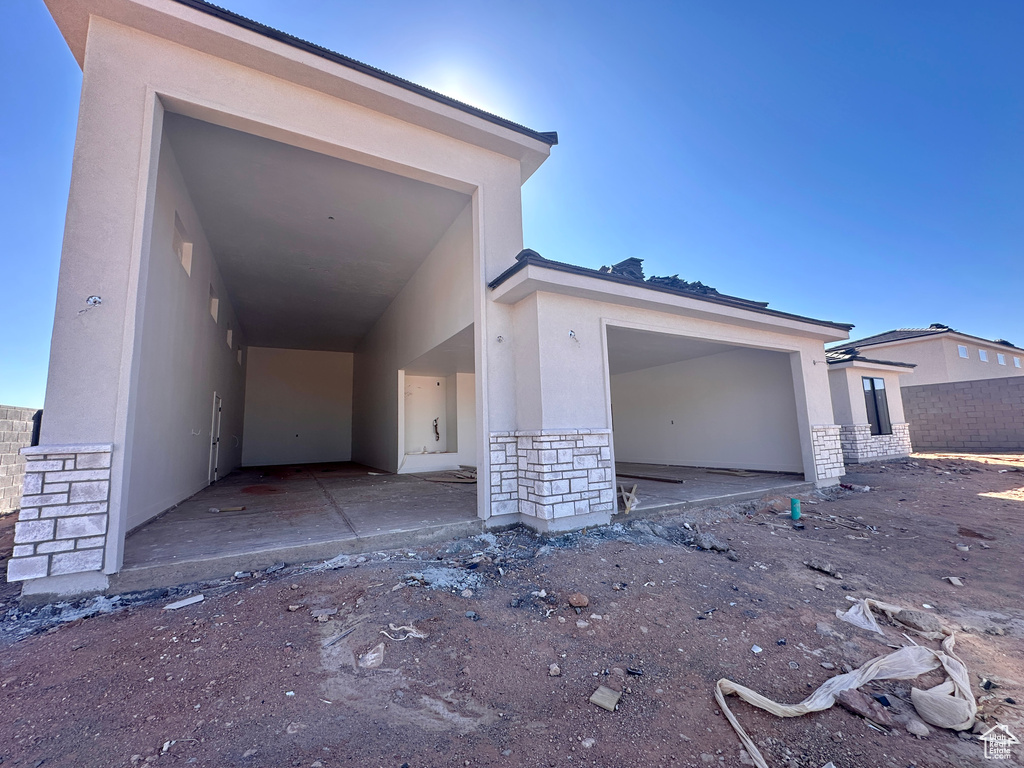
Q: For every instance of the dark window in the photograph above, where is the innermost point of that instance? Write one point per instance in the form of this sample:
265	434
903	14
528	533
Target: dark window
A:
878	406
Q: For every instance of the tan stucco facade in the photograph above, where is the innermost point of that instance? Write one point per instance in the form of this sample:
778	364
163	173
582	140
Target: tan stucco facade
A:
938	359
132	379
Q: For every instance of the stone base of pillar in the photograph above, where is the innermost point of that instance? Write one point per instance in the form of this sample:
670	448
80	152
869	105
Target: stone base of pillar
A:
828	454
552	479
65	506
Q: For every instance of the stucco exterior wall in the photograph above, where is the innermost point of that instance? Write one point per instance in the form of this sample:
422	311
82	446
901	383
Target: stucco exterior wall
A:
938	359
733	409
847	391
298	407
182	358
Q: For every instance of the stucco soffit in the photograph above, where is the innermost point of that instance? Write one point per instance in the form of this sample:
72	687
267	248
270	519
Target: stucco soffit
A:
533	279
201	32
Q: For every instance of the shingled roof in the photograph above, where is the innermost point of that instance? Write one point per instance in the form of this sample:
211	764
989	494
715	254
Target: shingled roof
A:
837	356
901	334
631	272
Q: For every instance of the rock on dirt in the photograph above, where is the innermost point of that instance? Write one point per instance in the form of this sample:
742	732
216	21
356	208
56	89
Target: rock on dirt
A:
865	706
824	567
579	600
710	542
919	620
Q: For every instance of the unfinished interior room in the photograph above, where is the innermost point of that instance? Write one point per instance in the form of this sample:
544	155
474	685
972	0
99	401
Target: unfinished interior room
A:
293	288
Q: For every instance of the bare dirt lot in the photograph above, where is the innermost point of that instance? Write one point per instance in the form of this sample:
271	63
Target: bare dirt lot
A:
262	672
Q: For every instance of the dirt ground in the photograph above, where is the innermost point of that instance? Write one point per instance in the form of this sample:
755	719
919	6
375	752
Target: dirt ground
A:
261	673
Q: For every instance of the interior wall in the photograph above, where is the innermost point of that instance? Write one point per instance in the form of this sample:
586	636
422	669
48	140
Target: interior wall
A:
465	399
298	407
426	400
183	359
436	304
734	409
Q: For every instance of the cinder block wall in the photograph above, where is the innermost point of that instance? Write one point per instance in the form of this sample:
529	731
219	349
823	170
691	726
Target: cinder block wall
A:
986	414
17	427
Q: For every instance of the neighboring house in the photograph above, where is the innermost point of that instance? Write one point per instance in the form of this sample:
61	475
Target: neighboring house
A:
963	393
276	254
868	407
942	355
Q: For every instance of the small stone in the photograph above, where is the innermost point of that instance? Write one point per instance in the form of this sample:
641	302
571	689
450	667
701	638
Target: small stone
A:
467	593
588	742
472	615
249	753
360	559
605	698
707	758
710	542
919	729
827	665
865	706
579	600
734	557
919	620
837	736
581	624
294	608
554	671
294	586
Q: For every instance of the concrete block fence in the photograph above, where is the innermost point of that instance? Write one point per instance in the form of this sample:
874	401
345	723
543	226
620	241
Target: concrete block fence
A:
18	427
980	415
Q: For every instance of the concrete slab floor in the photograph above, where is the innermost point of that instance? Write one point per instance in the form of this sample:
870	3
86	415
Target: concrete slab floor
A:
699	487
318	510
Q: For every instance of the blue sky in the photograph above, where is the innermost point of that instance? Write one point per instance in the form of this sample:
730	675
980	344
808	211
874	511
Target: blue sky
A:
860	162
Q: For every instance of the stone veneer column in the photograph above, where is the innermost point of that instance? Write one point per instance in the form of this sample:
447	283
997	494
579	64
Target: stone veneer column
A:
828	452
859	445
62	526
552	475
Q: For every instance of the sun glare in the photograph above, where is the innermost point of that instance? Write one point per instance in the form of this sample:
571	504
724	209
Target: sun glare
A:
474	87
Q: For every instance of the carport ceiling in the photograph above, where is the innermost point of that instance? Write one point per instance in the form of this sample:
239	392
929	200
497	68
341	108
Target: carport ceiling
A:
312	249
634	350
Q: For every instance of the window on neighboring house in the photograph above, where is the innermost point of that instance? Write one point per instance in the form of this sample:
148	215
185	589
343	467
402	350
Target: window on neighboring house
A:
230	335
962	350
983	355
214	304
1000	358
239	355
1016	362
878	406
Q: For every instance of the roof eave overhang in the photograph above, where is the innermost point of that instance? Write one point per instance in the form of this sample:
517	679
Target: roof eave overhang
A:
870	365
192	25
532	278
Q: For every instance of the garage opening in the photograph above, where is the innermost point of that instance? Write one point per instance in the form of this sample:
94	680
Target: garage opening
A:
313	300
697	421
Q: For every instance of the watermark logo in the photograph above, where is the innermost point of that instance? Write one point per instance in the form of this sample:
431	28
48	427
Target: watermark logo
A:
997	741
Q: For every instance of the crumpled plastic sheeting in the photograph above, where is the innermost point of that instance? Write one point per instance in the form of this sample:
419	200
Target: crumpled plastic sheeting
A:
860	614
947	705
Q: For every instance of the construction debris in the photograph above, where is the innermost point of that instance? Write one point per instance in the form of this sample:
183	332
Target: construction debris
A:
606	698
824	566
182	603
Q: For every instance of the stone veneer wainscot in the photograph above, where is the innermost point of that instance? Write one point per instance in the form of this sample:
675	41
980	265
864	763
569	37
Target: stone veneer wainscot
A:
828	451
65	504
859	445
552	474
